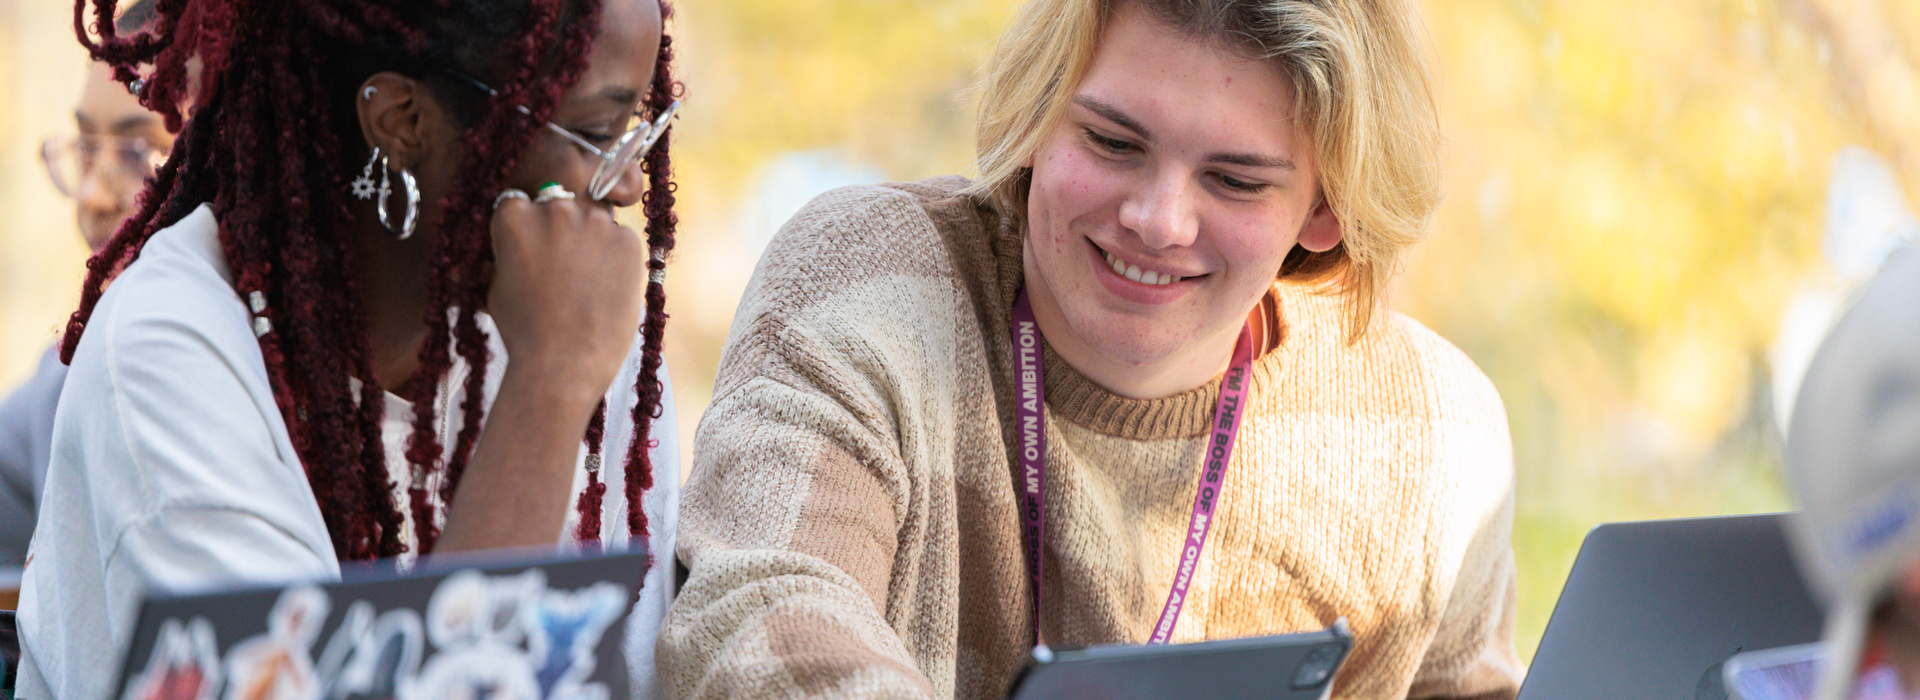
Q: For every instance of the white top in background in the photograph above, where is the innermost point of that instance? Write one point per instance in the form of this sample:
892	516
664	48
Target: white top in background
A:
173	471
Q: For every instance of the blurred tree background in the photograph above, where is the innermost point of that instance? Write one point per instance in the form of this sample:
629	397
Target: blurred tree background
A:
1638	191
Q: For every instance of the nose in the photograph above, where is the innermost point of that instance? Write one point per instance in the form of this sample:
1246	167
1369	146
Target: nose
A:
1162	212
99	193
632	185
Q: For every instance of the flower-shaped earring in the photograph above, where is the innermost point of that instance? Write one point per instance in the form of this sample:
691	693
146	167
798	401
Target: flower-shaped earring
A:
363	186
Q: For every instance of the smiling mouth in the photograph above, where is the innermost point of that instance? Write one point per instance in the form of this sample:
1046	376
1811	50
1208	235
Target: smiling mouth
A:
1133	272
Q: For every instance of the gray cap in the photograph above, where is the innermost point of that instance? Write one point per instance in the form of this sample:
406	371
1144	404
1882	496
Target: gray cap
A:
1853	459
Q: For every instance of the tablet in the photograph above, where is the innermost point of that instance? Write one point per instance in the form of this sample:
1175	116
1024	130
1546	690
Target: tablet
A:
1297	666
1789	673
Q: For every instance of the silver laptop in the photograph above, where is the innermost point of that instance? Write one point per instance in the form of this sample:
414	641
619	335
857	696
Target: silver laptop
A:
1653	609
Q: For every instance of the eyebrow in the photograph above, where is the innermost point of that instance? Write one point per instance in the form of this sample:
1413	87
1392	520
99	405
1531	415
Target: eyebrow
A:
126	124
622	95
1251	160
1113	114
133	122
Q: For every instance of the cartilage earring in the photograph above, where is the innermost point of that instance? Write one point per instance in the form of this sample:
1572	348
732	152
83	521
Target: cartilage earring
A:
413	201
363	185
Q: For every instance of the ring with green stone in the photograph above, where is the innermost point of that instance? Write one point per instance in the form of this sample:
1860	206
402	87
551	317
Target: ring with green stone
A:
551	191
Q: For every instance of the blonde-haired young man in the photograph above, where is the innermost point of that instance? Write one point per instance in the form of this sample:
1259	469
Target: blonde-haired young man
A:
1143	359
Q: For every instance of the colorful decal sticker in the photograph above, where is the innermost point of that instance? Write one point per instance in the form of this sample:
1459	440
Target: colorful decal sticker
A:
278	665
480	638
346	640
480	671
566	627
370	659
476	623
470	607
184	664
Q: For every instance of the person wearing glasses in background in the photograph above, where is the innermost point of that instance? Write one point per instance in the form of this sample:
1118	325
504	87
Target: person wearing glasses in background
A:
1135	384
375	305
102	170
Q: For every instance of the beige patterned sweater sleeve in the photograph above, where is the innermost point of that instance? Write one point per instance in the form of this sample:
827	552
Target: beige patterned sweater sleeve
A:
850	526
809	485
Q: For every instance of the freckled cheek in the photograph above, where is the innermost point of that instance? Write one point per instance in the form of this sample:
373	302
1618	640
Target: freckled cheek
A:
1073	187
1054	206
1252	246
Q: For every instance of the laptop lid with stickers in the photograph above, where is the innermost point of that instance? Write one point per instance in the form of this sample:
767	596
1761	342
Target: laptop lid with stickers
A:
545	628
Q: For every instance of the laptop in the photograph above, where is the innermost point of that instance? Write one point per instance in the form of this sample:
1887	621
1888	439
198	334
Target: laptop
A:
545	627
1652	610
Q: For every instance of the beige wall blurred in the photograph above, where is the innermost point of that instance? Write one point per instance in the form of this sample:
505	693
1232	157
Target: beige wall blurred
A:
42	258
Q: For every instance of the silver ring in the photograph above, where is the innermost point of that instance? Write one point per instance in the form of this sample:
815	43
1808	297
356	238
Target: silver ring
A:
551	192
509	193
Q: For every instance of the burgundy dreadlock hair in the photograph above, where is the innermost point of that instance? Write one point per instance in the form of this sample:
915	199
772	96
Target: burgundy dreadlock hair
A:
266	149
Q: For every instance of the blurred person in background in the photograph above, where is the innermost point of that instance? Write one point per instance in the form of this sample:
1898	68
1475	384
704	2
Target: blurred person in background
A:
1853	465
103	170
375	305
1135	384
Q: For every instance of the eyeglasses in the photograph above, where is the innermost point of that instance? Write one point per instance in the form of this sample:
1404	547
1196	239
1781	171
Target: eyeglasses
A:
614	161
71	159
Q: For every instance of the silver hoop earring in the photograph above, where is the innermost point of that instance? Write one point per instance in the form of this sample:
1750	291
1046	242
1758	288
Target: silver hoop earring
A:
363	186
413	201
368	93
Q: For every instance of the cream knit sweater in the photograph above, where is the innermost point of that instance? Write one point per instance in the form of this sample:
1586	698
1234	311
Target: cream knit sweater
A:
850	524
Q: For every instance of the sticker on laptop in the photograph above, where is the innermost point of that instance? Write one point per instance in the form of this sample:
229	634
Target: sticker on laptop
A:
183	665
505	637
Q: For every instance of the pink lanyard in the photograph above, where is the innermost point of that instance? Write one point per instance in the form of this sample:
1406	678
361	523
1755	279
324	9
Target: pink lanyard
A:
1030	412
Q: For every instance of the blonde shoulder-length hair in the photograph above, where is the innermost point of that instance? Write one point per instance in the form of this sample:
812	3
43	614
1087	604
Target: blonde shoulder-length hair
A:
1362	92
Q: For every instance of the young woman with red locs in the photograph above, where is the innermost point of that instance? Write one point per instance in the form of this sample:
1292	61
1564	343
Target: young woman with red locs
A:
268	358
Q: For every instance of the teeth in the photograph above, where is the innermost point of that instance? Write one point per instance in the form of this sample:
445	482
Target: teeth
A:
1133	272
